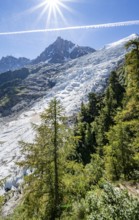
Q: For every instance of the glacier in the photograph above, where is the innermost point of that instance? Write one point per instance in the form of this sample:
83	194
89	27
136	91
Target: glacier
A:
76	79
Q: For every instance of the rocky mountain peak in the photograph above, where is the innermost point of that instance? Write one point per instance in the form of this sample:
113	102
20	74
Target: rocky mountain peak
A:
62	50
62	44
58	52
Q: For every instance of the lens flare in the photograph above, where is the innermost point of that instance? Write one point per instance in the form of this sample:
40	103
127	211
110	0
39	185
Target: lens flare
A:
52	10
53	3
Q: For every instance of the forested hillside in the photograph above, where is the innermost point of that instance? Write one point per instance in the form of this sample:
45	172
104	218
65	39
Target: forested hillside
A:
75	172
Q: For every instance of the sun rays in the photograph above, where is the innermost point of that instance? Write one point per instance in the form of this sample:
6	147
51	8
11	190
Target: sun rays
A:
52	10
52	3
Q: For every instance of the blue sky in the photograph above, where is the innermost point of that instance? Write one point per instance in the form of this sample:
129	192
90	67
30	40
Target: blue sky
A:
15	15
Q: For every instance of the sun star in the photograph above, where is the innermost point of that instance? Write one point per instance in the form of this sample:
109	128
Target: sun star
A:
53	10
53	3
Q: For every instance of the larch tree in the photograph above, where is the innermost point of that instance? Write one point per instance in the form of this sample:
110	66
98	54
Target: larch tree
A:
46	160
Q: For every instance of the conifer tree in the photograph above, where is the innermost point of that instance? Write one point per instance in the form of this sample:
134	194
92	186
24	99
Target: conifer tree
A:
111	102
46	159
83	128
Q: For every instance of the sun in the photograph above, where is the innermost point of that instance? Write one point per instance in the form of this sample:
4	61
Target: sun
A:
52	3
52	10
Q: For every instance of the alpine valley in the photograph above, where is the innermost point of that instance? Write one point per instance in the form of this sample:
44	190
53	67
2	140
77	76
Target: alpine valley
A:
63	70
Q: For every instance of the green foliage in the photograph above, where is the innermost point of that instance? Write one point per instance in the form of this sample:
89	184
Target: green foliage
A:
113	121
47	159
1	203
94	170
68	172
112	102
95	119
134	44
121	154
75	181
83	128
107	204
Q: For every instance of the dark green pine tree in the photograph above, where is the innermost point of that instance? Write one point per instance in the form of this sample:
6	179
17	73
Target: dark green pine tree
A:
111	102
83	128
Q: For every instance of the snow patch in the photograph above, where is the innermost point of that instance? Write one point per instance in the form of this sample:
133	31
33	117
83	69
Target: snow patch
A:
122	41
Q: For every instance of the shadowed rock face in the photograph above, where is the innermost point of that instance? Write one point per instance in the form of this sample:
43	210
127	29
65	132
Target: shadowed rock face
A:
19	89
11	63
61	51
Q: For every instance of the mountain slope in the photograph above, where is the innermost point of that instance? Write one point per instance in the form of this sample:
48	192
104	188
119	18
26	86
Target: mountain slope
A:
72	82
12	63
61	51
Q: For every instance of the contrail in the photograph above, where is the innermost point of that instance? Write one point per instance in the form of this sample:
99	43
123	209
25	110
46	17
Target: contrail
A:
107	25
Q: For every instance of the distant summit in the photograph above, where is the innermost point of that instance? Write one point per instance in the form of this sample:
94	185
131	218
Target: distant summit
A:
11	63
62	50
58	52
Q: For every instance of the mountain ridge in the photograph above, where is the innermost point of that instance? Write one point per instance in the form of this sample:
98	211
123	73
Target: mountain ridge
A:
12	63
62	50
59	51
